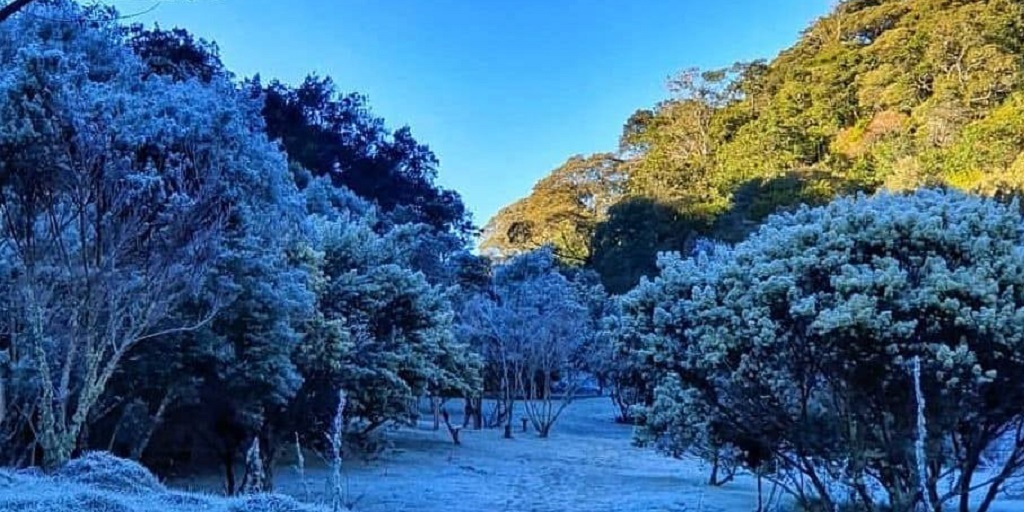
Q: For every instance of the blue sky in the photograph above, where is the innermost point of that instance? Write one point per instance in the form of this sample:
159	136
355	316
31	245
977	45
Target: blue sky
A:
503	91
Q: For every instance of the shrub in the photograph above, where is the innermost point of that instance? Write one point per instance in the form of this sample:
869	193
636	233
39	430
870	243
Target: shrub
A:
102	470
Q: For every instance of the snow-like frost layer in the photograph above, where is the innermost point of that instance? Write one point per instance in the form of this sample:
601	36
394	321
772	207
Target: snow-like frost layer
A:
588	465
99	482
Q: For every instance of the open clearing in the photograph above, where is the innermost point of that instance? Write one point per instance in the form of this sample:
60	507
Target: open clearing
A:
588	464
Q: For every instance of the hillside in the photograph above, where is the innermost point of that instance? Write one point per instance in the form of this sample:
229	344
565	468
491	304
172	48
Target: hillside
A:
890	94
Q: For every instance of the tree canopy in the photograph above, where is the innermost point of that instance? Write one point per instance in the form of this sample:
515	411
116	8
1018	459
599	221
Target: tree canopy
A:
877	94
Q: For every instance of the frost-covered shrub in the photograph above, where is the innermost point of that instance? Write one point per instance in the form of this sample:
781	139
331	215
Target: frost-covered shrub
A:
793	347
186	501
105	471
99	482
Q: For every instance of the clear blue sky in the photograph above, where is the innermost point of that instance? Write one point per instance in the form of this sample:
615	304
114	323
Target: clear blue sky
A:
503	91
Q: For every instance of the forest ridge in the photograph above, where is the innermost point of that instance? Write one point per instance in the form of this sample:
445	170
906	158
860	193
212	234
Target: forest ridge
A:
877	94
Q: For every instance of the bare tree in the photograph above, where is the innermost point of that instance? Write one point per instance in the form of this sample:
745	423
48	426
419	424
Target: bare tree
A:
549	381
499	337
530	327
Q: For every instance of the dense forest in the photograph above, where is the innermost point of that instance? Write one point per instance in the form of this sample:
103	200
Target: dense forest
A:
808	270
875	95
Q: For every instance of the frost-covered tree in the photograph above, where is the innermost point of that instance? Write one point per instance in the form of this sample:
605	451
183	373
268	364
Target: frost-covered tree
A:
382	332
231	379
649	338
243	359
116	192
594	344
794	348
530	326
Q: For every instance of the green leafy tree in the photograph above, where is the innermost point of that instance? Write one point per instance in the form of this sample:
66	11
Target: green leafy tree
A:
893	94
626	246
563	210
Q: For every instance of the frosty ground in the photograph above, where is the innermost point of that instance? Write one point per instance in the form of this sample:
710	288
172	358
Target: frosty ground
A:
588	464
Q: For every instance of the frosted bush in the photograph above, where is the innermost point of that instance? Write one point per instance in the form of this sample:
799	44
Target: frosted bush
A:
793	347
104	471
186	501
100	482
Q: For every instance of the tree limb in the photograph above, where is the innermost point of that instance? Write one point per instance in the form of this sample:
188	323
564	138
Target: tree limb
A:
10	9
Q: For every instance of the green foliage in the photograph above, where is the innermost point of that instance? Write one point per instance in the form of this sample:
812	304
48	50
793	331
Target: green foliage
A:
626	244
563	210
890	93
337	136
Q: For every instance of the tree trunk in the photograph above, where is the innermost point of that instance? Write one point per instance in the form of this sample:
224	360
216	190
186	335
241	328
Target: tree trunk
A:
3	401
967	474
435	408
1009	468
713	481
158	419
819	486
865	496
478	417
452	430
228	459
270	455
57	447
113	435
82	442
760	492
